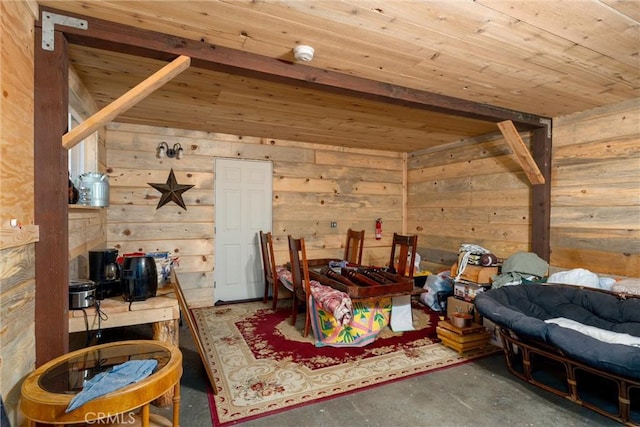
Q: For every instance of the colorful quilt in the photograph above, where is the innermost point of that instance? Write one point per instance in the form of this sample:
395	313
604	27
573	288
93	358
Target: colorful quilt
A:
369	318
339	322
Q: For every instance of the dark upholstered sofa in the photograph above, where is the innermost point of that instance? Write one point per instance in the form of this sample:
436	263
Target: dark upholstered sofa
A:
600	375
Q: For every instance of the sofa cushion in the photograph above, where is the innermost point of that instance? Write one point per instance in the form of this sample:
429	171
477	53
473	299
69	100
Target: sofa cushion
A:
524	309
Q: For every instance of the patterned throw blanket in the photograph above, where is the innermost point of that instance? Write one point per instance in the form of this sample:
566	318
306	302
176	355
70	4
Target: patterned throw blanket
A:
335	302
370	317
336	322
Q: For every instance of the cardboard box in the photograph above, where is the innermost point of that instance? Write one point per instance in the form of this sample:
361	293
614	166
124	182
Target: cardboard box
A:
468	291
457	305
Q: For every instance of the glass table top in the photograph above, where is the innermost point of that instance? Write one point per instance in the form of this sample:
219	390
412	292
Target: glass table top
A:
70	375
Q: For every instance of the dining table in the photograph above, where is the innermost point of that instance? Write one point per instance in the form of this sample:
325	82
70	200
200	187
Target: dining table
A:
399	288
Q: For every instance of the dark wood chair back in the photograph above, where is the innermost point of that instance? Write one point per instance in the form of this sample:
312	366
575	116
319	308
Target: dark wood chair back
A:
269	265
403	249
300	279
354	246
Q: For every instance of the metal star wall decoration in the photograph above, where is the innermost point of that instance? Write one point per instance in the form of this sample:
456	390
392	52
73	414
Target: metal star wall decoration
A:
171	191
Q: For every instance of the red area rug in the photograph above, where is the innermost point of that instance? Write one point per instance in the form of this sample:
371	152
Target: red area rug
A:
263	365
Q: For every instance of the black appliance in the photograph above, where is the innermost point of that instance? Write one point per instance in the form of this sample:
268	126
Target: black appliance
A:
139	278
104	271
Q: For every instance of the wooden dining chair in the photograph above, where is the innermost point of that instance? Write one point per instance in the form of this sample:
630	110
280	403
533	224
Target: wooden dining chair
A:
300	279
405	247
269	264
354	246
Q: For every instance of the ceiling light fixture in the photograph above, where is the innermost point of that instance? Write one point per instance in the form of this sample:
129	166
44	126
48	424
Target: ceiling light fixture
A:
303	53
164	150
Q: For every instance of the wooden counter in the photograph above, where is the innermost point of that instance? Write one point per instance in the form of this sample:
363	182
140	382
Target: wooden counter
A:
162	311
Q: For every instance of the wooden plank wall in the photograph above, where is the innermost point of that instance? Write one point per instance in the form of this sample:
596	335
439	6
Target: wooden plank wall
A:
474	192
595	205
471	191
313	185
87	225
87	231
17	245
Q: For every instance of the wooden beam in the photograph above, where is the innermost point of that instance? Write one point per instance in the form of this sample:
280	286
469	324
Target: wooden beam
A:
126	101
116	37
521	151
51	198
541	195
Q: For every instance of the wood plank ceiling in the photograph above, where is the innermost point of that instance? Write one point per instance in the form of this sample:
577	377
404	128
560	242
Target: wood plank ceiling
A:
546	58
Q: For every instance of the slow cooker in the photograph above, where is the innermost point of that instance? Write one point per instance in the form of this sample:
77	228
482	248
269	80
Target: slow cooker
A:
82	294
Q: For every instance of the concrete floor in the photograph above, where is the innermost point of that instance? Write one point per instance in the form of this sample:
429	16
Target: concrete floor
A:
481	393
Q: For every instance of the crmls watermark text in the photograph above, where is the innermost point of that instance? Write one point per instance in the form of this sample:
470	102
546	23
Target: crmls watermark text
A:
108	418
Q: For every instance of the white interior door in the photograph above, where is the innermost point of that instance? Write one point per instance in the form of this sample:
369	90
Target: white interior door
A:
243	202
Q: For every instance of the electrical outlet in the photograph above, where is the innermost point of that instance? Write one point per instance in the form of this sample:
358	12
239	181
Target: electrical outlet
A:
334	224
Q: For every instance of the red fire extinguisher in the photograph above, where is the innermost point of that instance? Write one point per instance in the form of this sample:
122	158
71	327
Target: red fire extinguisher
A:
378	228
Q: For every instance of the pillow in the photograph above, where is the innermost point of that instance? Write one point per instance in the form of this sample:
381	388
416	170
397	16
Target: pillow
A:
577	276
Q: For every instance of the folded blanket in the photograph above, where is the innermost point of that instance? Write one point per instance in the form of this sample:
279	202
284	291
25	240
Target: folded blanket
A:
597	333
284	276
333	301
119	376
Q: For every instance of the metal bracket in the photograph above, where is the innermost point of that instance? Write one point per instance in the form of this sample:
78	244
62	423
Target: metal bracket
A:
547	123
49	20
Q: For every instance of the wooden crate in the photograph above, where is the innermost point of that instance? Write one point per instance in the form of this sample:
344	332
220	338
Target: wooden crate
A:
462	339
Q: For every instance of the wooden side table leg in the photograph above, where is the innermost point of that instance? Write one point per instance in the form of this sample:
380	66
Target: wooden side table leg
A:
167	332
145	415
176	405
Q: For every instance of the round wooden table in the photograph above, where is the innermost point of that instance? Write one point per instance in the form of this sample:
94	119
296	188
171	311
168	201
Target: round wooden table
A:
47	391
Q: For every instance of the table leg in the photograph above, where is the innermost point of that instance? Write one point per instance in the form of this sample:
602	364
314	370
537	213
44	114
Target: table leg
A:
167	332
145	415
176	405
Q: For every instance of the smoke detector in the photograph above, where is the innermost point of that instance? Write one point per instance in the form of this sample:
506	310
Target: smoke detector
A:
303	53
